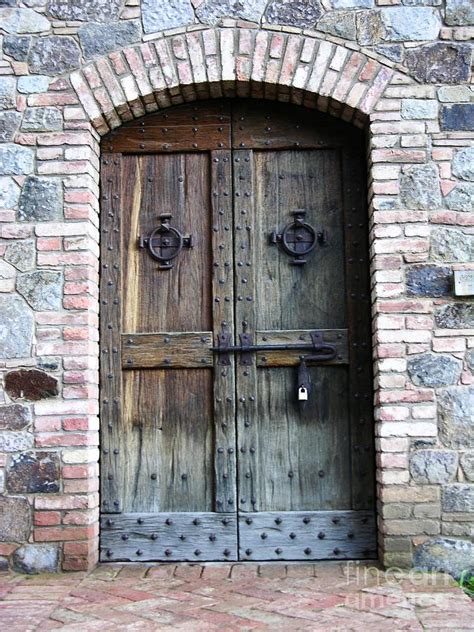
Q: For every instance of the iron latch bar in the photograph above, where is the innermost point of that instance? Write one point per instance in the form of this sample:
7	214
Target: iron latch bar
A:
321	351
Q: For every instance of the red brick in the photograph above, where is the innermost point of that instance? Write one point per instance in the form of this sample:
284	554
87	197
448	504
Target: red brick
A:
47	518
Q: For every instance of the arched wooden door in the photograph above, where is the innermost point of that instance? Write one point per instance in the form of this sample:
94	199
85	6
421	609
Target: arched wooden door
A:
236	402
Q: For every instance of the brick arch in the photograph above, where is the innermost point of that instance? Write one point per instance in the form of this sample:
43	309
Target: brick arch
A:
306	70
302	69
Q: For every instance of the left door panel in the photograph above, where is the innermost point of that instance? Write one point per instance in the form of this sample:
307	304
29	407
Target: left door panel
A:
168	432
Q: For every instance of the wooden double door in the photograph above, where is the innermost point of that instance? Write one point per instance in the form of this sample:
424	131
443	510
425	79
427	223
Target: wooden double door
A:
236	403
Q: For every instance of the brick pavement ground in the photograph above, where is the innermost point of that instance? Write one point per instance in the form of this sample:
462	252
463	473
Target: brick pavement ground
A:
328	596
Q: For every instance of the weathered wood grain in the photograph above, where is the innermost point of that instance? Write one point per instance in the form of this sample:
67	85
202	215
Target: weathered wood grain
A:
225	457
167	350
312	535
260	125
167	436
191	127
192	536
336	337
110	327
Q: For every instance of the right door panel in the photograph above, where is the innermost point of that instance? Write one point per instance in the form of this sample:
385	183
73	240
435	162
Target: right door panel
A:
296	459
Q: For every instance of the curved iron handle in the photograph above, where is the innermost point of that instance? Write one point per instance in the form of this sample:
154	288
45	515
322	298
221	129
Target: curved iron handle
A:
321	353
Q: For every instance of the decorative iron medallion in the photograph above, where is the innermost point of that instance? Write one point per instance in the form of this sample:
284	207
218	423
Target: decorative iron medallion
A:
165	242
298	238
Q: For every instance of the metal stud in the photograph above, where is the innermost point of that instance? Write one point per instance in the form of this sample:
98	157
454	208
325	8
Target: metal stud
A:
196	522
306	520
292	535
321	535
248	551
278	520
307	551
278	551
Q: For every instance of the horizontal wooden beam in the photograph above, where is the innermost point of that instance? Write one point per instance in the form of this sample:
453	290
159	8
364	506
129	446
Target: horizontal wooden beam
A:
169	537
164	350
309	535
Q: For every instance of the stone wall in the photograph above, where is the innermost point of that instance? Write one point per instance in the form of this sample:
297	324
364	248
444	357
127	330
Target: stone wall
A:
72	69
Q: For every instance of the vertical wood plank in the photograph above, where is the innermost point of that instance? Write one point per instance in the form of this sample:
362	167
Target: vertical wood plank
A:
359	319
223	321
110	329
248	434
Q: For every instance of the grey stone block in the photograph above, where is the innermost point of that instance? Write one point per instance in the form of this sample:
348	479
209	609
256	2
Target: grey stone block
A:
15	519
14	417
23	21
42	119
16	160
446	555
463	164
85	10
159	15
467	465
36	558
21	254
434	370
7	93
16	332
419	187
41	200
339	23
456	417
429	280
411	24
33	84
17	46
457	117
458	497
432	467
299	13
419	109
459	12
451	245
439	63
9	124
34	472
42	289
461	198
54	55
98	39
9	193
15	441
455	316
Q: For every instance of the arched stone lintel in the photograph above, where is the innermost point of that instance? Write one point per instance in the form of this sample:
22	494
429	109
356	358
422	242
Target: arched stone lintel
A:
229	62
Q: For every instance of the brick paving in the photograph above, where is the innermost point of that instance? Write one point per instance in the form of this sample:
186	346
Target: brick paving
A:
234	597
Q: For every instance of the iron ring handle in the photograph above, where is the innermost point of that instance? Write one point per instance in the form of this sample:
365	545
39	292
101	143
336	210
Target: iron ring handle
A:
177	247
288	247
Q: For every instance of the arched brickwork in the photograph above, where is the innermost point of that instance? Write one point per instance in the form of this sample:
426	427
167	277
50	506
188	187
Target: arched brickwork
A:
230	62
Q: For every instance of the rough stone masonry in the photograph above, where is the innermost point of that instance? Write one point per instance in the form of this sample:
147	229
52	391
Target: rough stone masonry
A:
73	69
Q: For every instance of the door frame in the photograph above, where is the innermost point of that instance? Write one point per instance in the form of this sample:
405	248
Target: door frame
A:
350	170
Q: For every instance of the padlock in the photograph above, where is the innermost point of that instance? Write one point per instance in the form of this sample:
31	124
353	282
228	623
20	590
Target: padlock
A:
302	394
